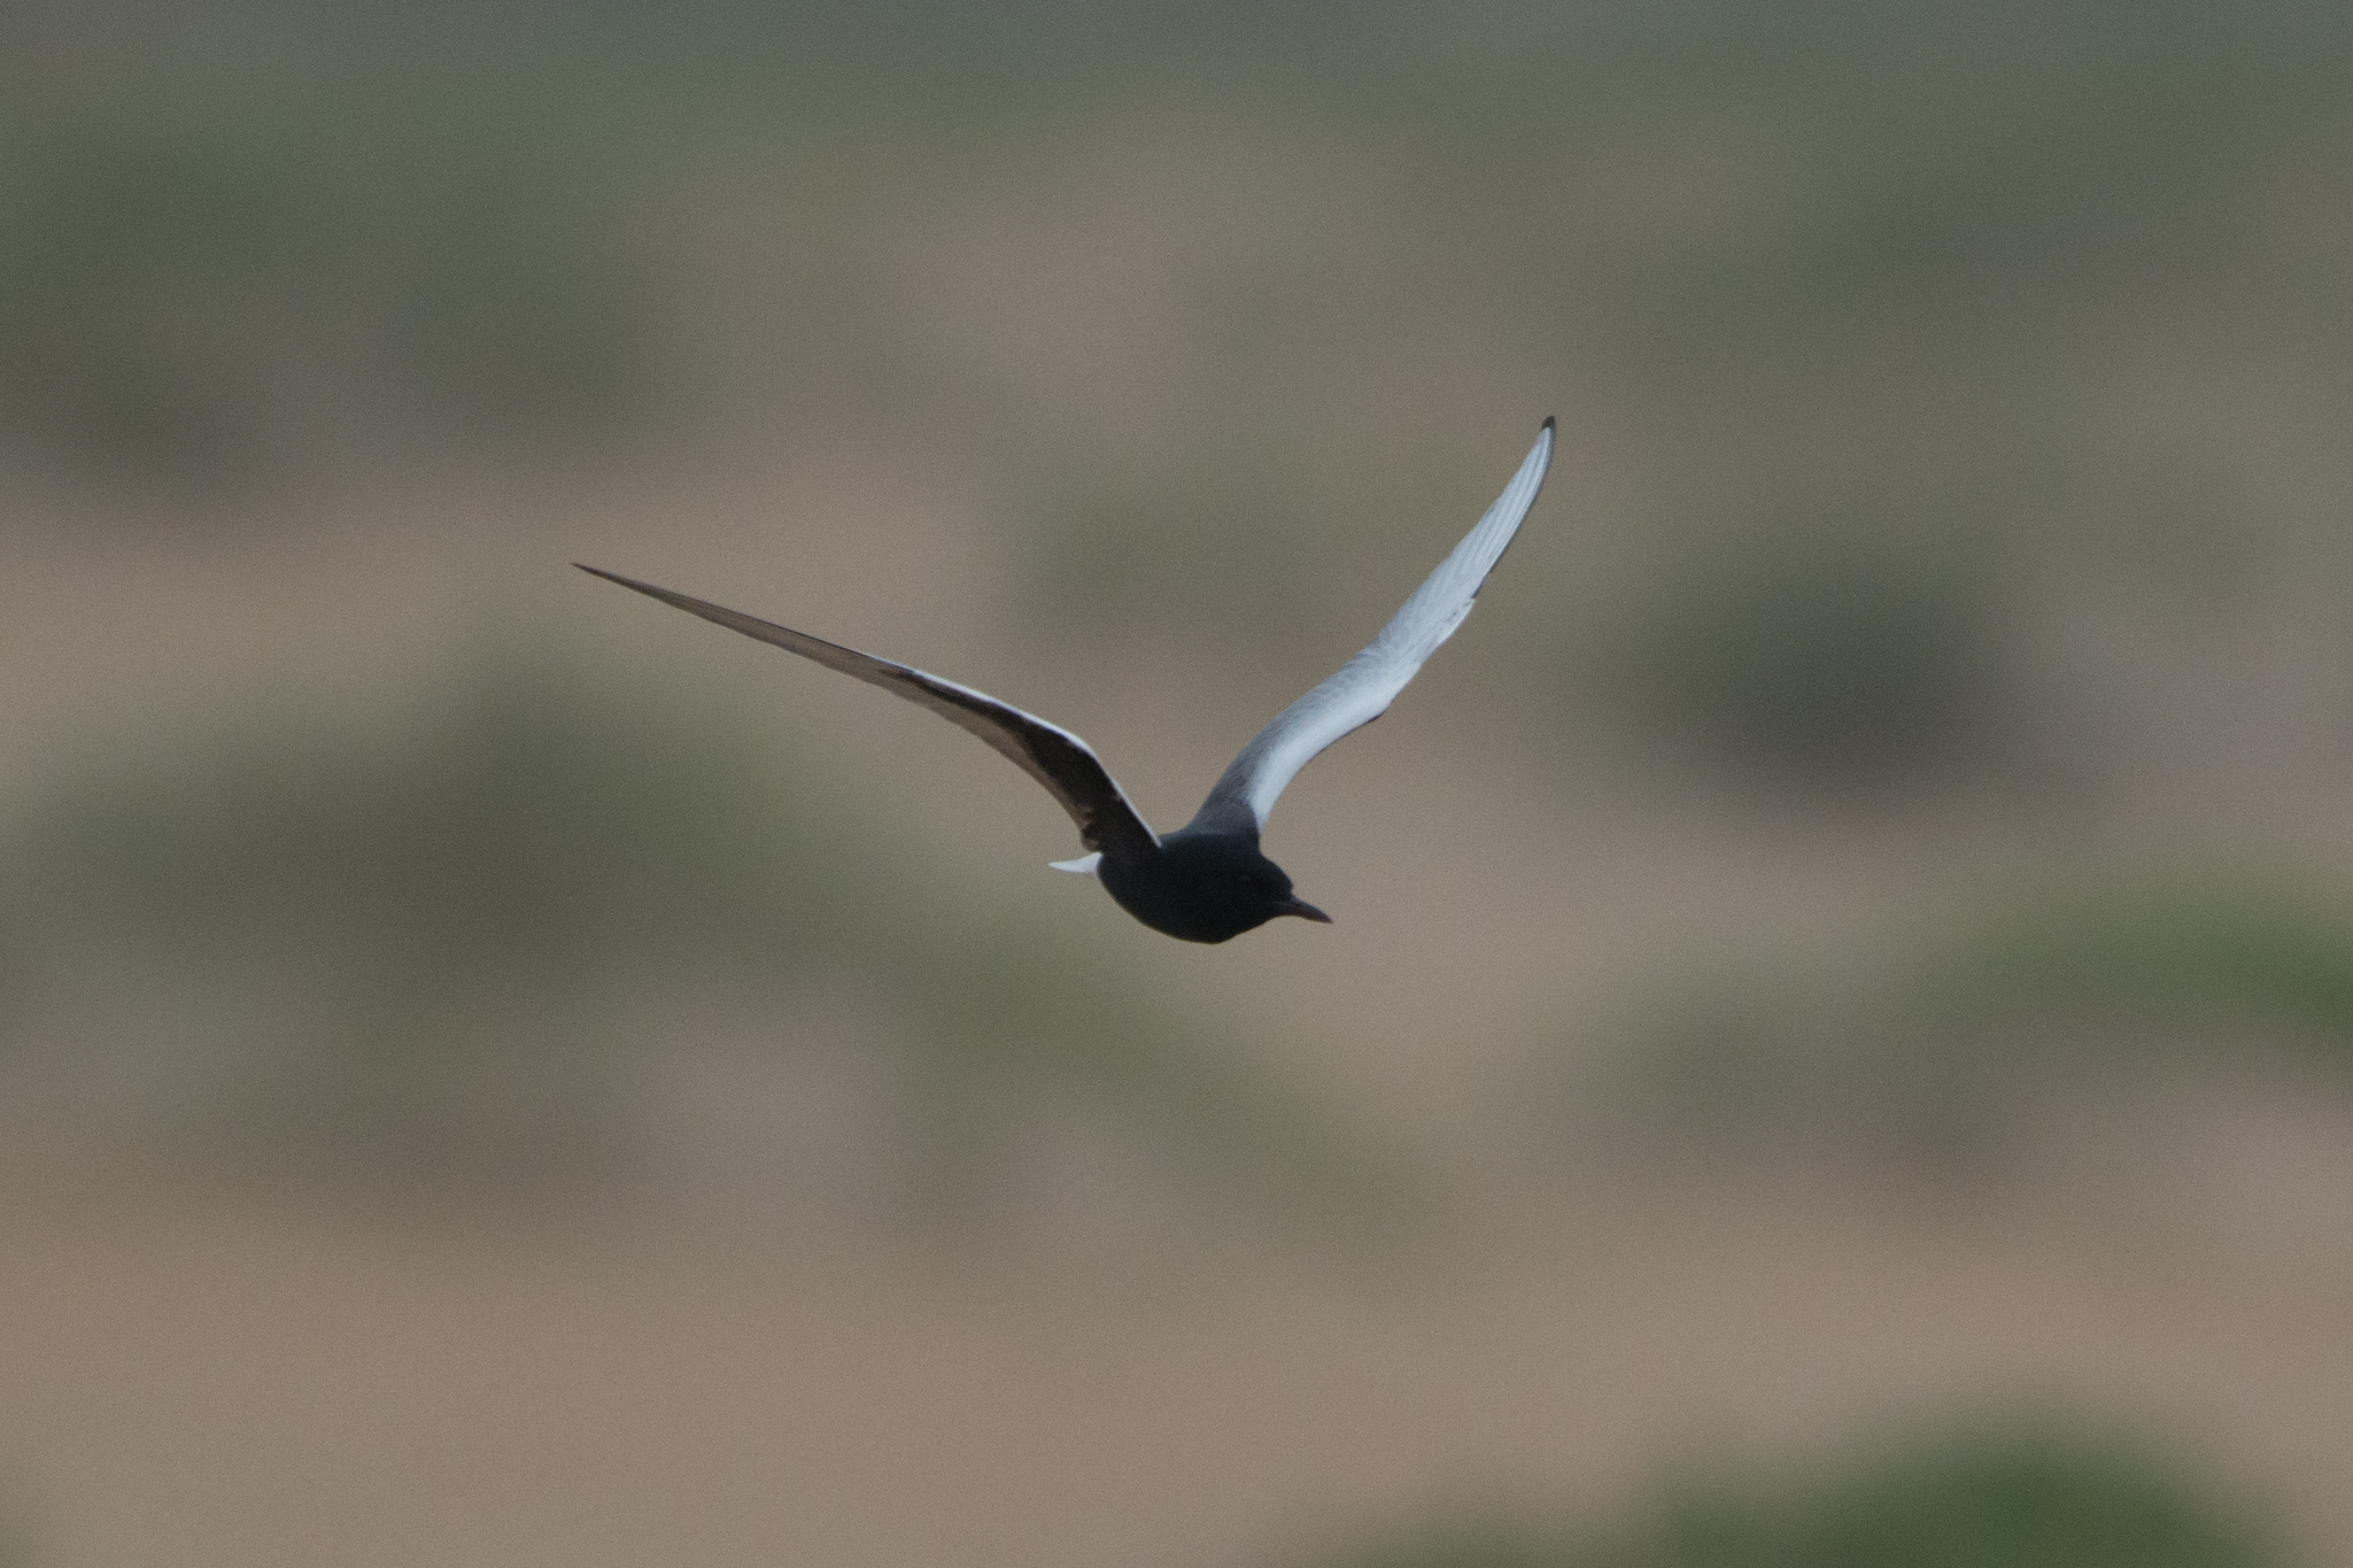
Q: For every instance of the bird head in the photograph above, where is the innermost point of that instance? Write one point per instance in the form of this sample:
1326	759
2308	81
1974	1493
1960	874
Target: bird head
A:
1229	884
1274	894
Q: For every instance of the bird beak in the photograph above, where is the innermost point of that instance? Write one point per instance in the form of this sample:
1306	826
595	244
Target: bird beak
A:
1295	905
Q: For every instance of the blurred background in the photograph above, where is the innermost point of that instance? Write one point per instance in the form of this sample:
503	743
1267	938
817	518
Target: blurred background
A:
1837	1046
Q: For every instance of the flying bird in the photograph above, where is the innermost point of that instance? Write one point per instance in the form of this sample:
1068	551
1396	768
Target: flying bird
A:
1206	881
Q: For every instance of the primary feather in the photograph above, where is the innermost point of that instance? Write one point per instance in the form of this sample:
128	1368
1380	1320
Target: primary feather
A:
1364	686
1057	759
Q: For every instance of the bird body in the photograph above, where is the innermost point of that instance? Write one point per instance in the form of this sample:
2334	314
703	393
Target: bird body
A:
1208	882
1201	886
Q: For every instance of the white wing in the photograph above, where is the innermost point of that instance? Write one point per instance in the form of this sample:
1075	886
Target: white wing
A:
1364	686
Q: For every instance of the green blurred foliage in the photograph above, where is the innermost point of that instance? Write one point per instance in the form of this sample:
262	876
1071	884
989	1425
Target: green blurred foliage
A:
2028	1499
431	953
1931	1046
225	268
1820	652
1990	1496
2146	955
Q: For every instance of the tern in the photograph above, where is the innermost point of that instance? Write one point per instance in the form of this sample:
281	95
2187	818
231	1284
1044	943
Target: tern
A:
1206	881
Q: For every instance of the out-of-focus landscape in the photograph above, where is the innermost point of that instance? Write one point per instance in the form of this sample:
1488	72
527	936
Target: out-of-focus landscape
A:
1837	1044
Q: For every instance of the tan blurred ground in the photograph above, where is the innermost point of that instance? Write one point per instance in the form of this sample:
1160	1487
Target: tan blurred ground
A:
196	1382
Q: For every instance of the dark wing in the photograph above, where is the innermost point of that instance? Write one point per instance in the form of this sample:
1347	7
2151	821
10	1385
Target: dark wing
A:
1065	764
1365	686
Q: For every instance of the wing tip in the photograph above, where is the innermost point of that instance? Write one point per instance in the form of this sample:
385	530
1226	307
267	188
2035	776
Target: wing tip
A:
631	583
1550	420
